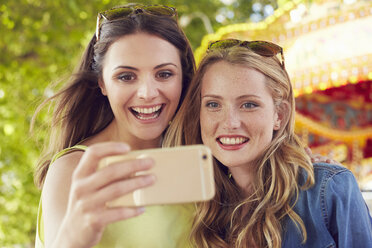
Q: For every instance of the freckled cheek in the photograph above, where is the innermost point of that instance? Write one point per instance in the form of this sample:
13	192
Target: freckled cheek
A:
203	126
208	126
264	132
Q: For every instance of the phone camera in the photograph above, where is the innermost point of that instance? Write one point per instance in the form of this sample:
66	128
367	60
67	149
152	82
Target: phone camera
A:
204	156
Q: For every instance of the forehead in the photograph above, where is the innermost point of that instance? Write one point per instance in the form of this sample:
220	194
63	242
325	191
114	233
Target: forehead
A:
224	78
141	49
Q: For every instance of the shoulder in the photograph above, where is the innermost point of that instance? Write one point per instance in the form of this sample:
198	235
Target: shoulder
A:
56	188
334	178
60	171
333	184
334	198
344	210
328	173
329	169
66	161
338	188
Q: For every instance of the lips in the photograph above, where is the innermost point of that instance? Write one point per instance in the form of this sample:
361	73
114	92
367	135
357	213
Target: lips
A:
146	113
232	142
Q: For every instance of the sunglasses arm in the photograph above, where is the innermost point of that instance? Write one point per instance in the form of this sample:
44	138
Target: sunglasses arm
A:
281	53
97	26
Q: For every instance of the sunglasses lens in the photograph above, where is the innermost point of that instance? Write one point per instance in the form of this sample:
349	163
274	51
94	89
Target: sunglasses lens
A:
264	48
160	10
114	14
222	44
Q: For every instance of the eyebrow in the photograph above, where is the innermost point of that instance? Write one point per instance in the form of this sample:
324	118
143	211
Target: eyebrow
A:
125	67
136	69
239	97
165	64
212	96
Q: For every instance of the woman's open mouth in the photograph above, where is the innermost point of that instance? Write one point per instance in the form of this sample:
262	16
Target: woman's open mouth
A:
147	113
232	142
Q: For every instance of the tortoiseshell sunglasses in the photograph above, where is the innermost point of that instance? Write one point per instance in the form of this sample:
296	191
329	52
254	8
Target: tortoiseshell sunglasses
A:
263	48
122	12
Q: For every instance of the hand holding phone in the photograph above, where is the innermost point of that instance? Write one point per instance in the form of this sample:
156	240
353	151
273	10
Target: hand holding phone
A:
183	174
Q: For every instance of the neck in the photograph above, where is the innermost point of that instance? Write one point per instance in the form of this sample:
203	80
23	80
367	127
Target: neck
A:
113	133
243	176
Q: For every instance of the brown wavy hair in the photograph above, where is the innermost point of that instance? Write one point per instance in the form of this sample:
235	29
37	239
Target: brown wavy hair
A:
80	109
222	222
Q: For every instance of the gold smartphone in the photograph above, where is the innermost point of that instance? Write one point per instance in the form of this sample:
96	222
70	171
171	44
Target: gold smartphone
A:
183	174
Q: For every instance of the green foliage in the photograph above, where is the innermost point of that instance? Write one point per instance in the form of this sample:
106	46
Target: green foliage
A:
40	43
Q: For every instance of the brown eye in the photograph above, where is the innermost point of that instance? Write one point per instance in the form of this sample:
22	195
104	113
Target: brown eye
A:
164	74
127	77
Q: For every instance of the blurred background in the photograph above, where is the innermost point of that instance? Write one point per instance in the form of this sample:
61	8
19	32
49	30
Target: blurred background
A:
327	47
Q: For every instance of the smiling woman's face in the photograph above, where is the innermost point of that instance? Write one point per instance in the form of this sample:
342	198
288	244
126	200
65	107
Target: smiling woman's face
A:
142	78
237	115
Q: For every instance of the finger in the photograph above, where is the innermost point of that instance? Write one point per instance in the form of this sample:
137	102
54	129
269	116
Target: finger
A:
89	162
332	161
316	157
111	215
308	151
117	171
98	220
118	189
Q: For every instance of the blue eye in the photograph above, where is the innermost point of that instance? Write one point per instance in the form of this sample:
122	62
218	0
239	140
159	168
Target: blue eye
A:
127	76
212	105
249	105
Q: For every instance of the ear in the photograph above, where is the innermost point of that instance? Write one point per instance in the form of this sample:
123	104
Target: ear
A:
281	115
101	84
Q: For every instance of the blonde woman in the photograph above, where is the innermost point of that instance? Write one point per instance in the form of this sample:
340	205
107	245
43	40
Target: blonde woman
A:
269	194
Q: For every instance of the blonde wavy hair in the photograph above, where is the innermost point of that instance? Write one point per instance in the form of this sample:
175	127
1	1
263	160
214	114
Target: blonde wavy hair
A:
280	169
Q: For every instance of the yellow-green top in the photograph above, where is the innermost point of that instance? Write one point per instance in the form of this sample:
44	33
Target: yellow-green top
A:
160	226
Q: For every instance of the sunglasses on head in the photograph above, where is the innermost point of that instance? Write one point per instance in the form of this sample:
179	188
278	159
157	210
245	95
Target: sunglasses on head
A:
263	48
125	11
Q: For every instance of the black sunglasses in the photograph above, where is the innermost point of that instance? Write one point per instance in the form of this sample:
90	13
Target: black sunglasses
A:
125	11
263	48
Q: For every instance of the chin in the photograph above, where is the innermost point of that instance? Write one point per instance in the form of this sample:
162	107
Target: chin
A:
231	162
150	134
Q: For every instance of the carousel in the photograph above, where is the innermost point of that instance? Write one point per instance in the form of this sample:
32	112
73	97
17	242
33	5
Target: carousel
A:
328	54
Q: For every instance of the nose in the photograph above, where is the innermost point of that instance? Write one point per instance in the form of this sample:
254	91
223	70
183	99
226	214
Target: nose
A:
147	90
231	119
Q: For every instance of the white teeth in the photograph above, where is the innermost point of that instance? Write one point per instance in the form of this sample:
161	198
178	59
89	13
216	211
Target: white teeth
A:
146	110
147	117
232	141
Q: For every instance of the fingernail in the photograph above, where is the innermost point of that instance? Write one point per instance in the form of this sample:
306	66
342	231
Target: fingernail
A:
124	147
150	179
147	161
141	209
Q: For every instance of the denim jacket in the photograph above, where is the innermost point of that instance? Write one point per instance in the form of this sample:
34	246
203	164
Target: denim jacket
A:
333	211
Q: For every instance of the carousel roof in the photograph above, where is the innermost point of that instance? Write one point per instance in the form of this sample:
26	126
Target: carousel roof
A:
326	43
